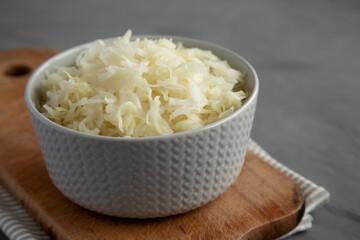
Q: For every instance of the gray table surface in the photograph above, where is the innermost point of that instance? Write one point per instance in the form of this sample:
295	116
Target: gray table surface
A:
306	53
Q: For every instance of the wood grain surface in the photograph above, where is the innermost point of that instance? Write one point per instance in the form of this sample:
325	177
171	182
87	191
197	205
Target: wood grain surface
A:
262	204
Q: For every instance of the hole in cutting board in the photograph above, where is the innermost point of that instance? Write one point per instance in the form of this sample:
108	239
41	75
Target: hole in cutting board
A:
17	70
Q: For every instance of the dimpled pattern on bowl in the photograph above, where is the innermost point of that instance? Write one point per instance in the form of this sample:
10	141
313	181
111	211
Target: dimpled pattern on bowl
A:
154	177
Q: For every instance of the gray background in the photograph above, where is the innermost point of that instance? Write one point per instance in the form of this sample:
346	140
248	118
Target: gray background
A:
306	53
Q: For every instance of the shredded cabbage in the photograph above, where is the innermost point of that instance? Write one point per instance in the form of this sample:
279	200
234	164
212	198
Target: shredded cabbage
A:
141	88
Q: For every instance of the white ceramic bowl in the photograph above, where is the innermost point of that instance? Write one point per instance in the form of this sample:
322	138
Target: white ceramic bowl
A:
151	176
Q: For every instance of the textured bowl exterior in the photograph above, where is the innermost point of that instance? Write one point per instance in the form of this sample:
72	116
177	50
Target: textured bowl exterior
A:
145	177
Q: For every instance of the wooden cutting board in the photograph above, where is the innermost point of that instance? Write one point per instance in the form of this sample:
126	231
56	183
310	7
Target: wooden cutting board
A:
262	204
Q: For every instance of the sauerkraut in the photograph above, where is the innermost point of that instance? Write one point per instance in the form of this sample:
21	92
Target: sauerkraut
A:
139	88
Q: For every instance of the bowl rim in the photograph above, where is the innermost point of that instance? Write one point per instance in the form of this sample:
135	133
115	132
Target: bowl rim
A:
187	41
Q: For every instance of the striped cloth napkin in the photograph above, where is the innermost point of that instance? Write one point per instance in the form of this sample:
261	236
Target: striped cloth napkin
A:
17	224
